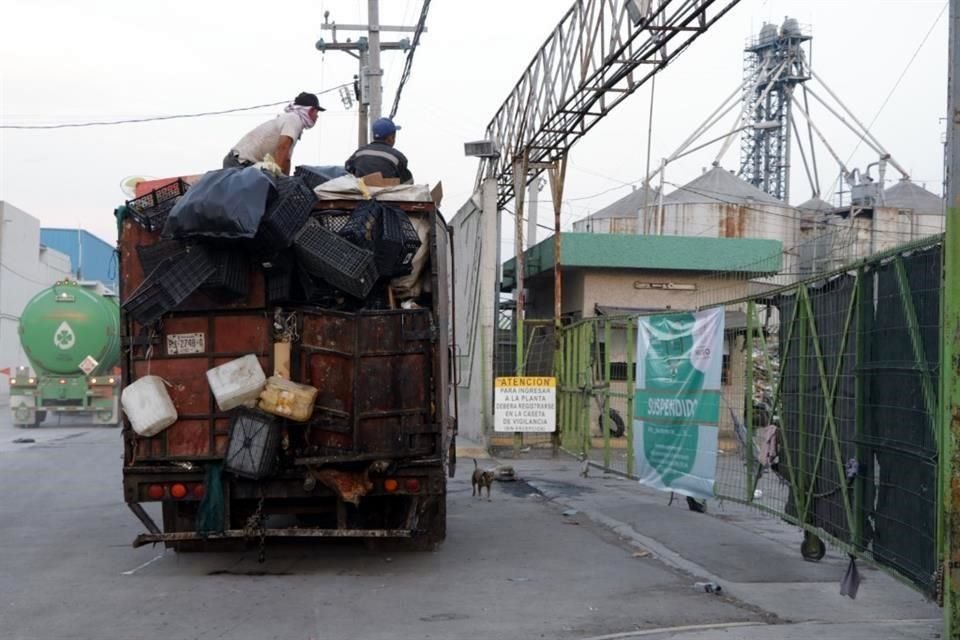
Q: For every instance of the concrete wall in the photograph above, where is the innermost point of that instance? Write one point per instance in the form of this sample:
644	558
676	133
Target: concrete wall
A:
25	270
475	237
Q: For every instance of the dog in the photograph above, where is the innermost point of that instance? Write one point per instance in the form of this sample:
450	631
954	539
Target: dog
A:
481	478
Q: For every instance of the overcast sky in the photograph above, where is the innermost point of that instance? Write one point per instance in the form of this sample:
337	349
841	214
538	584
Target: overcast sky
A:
64	61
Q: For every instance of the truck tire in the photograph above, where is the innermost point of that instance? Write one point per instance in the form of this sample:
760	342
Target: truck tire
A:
41	416
431	532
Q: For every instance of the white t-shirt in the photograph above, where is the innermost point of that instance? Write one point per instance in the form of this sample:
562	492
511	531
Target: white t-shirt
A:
262	140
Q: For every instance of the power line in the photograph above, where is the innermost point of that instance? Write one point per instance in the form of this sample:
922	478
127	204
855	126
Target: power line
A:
105	123
409	63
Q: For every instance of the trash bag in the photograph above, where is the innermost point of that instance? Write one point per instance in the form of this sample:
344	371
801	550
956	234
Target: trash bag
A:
210	515
224	204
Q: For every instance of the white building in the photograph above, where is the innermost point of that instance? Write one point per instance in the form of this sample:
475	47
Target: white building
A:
26	268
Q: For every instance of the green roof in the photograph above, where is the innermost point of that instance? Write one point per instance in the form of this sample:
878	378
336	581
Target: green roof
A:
660	253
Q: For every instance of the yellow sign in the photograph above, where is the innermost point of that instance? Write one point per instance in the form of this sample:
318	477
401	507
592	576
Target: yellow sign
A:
525	404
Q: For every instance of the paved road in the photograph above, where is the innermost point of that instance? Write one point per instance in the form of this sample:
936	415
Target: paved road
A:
512	568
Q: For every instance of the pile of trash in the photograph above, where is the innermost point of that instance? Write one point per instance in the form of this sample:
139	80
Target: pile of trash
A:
214	233
241	387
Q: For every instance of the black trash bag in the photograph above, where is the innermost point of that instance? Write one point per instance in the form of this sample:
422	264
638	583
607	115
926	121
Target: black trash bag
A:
315	176
225	204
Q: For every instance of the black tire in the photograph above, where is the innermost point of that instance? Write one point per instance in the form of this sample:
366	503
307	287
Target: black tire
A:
180	517
431	532
812	548
615	424
40	417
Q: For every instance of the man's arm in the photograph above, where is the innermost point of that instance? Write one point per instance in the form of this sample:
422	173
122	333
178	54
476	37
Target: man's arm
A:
282	153
404	173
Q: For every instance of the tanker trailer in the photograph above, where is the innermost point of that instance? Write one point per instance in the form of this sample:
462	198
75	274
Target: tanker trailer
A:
71	335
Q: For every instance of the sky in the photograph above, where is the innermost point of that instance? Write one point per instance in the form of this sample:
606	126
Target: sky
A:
63	62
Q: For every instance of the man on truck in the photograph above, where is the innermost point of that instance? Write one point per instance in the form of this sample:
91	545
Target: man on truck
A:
380	156
276	137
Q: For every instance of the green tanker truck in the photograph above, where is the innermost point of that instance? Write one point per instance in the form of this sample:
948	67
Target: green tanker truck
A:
71	335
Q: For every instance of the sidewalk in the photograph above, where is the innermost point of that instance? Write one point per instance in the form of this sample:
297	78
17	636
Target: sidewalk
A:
755	558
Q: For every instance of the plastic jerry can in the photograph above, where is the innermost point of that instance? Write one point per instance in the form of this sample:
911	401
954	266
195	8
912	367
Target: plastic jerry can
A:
288	399
237	383
148	406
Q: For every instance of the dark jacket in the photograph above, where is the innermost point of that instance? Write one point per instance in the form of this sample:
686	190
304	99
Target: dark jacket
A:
379	157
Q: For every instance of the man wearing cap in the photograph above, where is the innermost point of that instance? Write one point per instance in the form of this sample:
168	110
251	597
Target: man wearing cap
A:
380	156
276	137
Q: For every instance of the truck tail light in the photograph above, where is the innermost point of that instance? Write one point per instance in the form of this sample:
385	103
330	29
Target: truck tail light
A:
178	491
390	485
199	491
413	485
155	491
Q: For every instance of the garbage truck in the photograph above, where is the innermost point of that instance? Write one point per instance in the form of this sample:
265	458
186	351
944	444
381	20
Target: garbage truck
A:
297	383
70	333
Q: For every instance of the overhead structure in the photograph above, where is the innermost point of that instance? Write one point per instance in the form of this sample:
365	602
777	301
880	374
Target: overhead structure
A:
600	53
777	70
774	64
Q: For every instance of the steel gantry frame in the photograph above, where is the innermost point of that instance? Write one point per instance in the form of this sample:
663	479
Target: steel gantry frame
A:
600	53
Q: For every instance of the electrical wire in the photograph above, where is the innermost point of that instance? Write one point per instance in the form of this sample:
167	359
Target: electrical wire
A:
105	123
409	62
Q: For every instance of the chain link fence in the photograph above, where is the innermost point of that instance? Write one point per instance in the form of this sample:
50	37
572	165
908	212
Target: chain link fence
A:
829	403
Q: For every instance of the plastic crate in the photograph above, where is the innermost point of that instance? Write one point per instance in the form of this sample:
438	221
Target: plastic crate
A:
286	214
397	244
252	449
148	303
169	284
279	286
334	220
315	291
310	177
326	255
153	254
232	275
150	210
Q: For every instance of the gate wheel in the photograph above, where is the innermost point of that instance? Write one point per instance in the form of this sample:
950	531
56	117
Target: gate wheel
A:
812	548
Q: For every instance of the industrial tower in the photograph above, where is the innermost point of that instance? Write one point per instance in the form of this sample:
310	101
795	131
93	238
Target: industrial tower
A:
774	64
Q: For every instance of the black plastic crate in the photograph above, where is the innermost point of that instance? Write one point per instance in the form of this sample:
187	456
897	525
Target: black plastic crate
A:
232	275
334	219
315	291
324	254
148	303
153	254
169	284
311	178
150	210
397	244
279	286
252	449
287	213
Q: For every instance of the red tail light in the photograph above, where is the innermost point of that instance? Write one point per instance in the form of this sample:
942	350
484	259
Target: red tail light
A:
390	485
413	485
199	491
155	492
178	491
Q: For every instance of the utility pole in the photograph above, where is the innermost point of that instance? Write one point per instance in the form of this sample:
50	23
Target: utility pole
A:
374	72
948	520
366	49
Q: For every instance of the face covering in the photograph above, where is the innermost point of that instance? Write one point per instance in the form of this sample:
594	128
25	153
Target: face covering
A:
304	114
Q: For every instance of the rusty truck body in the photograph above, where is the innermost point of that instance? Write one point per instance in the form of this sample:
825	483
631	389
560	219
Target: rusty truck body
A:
373	460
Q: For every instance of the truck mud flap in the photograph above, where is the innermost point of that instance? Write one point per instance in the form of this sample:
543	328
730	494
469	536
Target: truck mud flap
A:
153	538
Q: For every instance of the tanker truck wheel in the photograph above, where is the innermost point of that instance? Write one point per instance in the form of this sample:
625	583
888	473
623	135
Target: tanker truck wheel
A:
41	416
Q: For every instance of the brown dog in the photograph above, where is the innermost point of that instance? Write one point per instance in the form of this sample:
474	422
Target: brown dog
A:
481	478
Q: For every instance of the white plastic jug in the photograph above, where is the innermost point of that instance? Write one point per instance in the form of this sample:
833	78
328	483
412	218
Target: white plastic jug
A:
148	406
237	383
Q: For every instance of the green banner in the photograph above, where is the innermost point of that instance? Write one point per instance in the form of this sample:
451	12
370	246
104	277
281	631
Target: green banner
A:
677	401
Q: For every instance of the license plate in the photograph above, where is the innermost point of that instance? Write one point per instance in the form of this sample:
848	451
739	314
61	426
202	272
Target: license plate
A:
184	343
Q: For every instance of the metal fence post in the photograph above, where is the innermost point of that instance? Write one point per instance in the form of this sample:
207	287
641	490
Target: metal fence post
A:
630	392
950	342
605	418
748	402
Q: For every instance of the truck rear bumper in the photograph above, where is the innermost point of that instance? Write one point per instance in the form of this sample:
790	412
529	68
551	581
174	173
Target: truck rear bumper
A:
152	538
